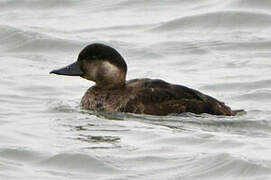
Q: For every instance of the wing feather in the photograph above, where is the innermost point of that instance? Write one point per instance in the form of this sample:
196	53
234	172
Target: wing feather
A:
161	98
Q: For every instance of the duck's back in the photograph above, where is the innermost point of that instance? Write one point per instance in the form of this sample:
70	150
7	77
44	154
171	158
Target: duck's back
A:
152	96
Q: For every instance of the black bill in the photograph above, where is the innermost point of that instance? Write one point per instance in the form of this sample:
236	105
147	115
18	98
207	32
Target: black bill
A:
73	69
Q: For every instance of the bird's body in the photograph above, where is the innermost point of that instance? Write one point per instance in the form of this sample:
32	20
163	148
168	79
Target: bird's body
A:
112	93
152	96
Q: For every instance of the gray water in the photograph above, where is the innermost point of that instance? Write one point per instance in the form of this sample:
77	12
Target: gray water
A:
221	48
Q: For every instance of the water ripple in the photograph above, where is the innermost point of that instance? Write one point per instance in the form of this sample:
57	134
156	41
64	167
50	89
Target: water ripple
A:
18	40
231	20
77	162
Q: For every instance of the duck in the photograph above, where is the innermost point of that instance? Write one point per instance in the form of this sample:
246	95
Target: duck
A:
111	93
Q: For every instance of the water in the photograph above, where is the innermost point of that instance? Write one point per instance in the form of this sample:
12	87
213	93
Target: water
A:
219	48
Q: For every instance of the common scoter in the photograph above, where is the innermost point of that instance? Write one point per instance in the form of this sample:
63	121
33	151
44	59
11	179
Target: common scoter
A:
112	93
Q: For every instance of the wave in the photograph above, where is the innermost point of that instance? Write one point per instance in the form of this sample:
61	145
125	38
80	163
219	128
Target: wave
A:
201	166
245	46
212	166
262	95
20	154
77	162
238	86
35	4
262	4
72	162
17	40
217	20
142	3
179	48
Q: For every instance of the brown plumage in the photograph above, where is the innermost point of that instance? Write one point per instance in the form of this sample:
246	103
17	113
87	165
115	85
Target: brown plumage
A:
112	93
156	97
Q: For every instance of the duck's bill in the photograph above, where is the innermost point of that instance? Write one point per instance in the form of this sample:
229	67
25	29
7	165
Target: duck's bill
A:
73	69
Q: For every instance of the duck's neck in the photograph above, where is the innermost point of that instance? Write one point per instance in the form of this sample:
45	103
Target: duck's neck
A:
110	83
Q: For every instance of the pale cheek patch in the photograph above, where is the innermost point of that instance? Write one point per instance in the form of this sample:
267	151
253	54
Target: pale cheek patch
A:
104	73
94	72
110	69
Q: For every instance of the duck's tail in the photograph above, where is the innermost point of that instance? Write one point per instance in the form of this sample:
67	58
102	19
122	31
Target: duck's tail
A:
239	112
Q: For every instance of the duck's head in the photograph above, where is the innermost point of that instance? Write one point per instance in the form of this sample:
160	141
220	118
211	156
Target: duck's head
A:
99	63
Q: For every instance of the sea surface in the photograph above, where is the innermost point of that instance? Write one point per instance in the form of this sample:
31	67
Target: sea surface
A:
221	48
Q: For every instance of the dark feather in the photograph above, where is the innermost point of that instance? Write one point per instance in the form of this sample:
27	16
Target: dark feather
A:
157	97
